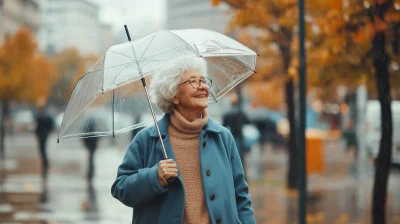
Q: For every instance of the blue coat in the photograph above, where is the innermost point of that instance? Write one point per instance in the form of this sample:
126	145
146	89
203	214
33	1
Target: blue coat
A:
137	183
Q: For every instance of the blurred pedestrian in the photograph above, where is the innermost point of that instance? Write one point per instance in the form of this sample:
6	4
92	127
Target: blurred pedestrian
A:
209	184
350	136
234	120
44	125
91	145
265	125
90	206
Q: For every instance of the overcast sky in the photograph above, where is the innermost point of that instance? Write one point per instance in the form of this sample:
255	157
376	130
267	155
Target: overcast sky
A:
145	15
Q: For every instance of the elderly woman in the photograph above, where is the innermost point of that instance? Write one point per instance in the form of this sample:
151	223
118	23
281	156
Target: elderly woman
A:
209	185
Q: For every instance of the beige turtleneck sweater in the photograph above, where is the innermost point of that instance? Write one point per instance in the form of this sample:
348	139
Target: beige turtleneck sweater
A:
184	136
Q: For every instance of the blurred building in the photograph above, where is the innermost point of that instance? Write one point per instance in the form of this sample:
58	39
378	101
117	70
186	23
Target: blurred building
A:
185	14
15	13
73	24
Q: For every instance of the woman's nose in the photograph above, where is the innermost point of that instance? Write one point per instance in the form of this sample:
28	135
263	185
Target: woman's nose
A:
203	85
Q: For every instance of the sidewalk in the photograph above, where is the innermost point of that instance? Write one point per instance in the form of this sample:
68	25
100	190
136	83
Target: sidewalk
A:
337	195
334	196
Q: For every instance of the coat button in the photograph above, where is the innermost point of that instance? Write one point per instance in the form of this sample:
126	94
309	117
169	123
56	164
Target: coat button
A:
218	220
205	134
208	172
204	144
212	197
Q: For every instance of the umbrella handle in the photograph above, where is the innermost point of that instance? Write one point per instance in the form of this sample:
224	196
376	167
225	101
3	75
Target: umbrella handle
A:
171	180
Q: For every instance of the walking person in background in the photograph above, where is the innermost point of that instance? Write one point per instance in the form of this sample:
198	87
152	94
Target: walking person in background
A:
350	136
91	145
44	125
209	184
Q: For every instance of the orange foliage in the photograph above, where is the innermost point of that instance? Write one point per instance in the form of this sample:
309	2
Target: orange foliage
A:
270	94
338	43
71	66
25	74
348	35
268	27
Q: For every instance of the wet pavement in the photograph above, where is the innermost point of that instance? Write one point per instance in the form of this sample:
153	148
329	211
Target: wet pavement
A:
340	194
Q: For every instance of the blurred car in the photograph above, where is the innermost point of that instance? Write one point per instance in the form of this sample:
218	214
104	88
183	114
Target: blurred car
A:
373	129
23	121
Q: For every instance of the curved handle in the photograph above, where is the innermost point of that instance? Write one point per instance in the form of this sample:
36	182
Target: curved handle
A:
171	180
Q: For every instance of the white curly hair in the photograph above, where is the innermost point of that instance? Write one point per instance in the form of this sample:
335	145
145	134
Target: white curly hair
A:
163	84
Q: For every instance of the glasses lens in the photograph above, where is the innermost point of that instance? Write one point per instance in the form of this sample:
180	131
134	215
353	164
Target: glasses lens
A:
208	82
196	83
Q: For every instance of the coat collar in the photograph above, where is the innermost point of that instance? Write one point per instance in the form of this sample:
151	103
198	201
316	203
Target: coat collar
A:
163	124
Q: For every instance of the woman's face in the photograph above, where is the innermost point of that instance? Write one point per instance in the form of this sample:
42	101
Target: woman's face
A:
190	98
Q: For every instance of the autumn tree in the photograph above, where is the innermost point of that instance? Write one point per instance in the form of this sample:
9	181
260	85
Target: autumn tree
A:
367	36
25	74
71	65
273	26
68	63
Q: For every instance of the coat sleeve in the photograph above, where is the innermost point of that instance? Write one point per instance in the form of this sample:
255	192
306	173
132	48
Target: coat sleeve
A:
136	184
243	198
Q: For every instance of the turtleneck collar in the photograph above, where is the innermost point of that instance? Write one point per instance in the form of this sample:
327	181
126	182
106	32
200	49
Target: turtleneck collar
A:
181	124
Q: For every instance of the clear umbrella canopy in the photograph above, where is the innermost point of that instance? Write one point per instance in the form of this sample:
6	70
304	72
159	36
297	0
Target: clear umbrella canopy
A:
112	93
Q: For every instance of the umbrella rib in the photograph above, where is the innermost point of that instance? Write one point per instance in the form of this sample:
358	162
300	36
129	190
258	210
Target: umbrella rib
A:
122	55
170	49
113	116
194	50
75	117
59	133
126	66
90	71
147	48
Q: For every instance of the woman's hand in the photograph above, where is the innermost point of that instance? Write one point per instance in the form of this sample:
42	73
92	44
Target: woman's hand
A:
166	169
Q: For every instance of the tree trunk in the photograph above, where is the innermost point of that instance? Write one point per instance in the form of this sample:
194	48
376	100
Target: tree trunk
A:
383	161
4	115
292	177
292	182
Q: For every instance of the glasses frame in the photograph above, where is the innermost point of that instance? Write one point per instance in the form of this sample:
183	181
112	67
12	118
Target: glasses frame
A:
201	80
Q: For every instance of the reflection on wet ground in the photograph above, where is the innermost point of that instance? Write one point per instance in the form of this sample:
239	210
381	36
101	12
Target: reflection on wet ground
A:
340	194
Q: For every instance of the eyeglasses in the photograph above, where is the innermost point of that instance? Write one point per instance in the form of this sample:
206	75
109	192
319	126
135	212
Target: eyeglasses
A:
196	82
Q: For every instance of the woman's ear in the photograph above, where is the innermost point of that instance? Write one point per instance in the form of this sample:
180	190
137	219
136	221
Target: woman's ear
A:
175	100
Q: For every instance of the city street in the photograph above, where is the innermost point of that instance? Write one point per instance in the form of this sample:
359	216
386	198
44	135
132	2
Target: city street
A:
335	196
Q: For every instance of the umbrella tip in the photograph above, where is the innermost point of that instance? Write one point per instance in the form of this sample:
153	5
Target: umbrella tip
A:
255	71
257	54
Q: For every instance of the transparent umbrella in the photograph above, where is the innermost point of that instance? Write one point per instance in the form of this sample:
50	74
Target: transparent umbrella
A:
114	84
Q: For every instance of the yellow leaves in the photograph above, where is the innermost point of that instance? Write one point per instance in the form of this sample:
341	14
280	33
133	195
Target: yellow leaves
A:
331	22
364	35
269	94
380	1
25	74
287	21
261	14
214	2
71	66
325	4
339	36
244	37
324	55
393	15
288	2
